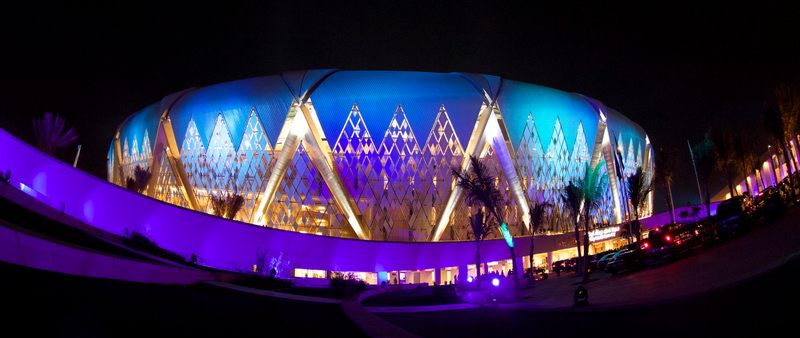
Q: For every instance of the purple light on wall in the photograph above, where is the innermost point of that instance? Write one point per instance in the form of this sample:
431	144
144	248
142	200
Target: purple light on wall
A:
229	244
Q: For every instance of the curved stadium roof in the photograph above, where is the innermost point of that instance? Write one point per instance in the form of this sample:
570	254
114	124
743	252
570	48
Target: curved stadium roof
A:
533	118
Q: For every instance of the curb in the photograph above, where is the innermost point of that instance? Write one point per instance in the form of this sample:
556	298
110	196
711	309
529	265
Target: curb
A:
273	294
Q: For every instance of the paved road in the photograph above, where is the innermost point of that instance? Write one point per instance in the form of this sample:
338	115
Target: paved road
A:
46	304
723	291
730	262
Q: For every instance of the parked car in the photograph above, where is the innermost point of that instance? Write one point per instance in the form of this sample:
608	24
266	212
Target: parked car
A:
658	246
769	203
625	259
594	260
689	236
603	261
560	266
732	216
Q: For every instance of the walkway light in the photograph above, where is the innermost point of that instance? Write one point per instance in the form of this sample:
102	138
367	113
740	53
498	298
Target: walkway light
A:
495	282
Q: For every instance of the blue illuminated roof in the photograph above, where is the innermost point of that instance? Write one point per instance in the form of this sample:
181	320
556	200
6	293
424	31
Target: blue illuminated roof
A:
518	99
623	128
268	95
135	126
378	94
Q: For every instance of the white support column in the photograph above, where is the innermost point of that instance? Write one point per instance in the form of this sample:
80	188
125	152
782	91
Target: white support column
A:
475	145
613	181
174	158
320	154
302	125
504	149
285	147
489	130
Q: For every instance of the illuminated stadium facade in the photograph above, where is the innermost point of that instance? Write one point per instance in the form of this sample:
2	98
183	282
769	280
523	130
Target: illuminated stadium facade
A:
368	154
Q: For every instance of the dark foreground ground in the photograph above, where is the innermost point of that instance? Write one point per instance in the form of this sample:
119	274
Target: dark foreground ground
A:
45	304
765	306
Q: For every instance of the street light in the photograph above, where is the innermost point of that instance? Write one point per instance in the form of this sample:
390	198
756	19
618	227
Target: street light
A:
772	165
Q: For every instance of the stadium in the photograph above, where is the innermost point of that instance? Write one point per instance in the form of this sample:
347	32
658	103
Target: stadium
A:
368	154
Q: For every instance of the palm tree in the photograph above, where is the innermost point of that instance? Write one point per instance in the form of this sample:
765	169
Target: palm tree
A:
751	161
787	98
140	179
537	217
639	186
704	161
480	229
781	120
52	134
571	197
480	189
665	168
227	206
726	157
741	151
592	187
584	198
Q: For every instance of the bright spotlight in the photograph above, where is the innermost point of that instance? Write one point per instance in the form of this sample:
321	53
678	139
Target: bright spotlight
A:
469	279
495	282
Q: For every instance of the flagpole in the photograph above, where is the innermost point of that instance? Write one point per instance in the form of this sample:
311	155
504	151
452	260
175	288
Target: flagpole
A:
696	177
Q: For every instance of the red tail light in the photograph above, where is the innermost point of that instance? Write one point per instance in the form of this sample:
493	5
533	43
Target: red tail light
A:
668	238
696	232
645	245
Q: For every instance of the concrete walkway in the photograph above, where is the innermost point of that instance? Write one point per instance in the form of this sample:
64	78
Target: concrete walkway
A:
372	325
20	247
282	295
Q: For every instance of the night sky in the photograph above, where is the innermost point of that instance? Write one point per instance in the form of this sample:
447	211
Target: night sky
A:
675	70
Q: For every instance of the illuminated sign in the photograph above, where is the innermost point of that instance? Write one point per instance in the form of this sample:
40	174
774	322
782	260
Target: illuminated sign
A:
601	234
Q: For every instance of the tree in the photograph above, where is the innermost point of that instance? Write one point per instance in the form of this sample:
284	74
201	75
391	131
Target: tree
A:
666	160
480	229
228	205
480	189
639	186
571	197
582	198
726	158
50	133
787	98
781	119
704	161
748	158
536	219
140	179
592	187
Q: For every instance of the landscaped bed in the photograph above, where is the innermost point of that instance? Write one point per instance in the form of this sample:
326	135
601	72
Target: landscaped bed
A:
420	296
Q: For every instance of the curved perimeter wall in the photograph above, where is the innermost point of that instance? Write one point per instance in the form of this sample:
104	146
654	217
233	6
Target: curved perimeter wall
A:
226	244
367	154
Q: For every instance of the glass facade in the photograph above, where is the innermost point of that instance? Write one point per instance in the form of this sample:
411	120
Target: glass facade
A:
375	151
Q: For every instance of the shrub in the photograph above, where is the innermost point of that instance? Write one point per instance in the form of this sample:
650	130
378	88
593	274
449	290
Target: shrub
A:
140	242
228	205
346	284
256	281
446	294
